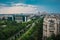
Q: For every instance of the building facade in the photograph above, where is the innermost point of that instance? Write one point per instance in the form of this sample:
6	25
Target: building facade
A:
6	17
16	17
51	25
20	18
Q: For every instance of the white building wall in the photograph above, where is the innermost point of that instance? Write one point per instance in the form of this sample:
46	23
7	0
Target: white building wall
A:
47	28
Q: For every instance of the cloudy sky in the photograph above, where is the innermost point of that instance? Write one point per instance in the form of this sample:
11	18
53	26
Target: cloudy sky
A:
29	6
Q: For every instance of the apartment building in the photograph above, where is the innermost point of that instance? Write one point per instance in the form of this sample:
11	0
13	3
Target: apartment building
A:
6	17
20	18
51	25
16	17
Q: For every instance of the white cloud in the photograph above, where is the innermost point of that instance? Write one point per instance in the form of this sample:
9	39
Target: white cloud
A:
17	8
19	4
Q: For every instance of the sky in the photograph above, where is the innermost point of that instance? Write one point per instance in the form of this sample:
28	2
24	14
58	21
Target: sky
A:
29	6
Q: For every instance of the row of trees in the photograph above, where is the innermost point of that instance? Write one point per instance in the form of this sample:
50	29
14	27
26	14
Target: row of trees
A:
11	28
34	33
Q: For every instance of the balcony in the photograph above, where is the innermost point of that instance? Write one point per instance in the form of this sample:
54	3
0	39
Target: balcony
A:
51	28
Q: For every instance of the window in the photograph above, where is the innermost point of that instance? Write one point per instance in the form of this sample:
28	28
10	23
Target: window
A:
45	27
9	18
51	25
51	22
51	28
18	18
59	26
51	32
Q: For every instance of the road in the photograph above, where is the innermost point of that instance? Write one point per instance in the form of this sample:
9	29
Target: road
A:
33	24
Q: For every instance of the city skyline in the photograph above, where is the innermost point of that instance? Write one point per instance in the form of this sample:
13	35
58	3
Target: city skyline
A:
29	6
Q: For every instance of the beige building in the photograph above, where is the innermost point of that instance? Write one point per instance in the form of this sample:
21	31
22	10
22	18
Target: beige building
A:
51	25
